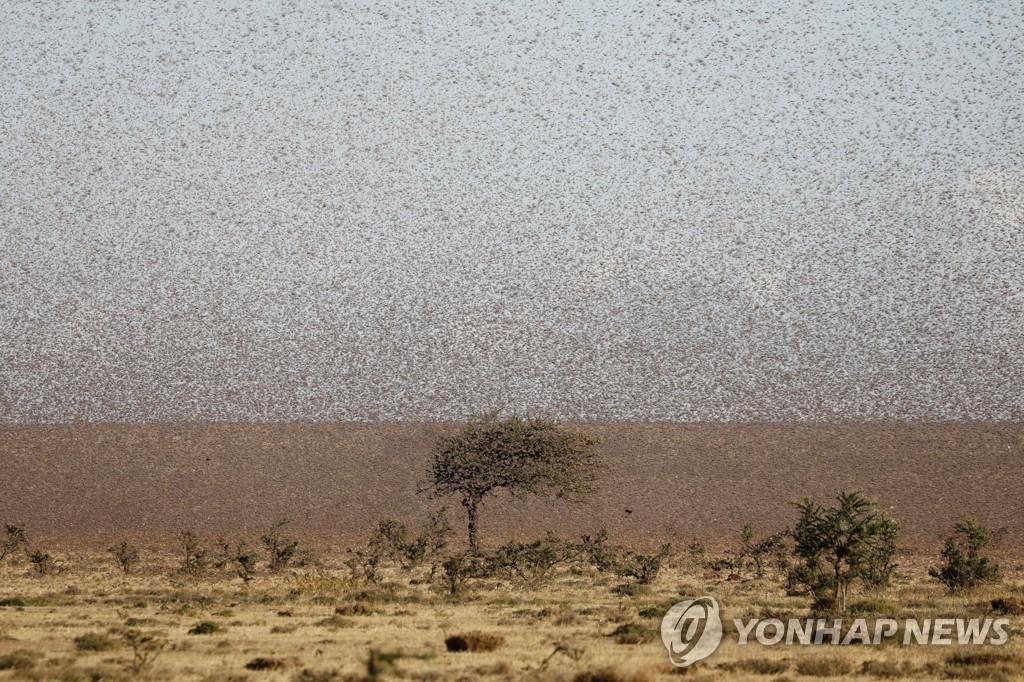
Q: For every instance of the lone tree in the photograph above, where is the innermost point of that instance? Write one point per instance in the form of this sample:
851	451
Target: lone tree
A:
523	455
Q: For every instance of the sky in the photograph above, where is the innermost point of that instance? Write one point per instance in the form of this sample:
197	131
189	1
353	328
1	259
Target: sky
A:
690	211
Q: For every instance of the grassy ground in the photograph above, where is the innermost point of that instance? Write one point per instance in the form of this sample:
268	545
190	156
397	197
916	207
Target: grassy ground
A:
314	622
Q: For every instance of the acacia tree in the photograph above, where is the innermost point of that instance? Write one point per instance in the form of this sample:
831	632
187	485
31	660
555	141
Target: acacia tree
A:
523	455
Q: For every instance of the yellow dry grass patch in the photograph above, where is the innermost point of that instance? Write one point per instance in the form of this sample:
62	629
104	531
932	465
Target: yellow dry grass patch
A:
312	624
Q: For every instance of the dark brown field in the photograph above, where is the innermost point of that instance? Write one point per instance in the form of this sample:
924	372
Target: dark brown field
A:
335	481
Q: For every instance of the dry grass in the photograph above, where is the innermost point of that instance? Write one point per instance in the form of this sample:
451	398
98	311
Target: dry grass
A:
319	625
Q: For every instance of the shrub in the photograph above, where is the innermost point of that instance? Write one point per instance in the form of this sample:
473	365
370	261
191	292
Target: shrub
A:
1008	606
759	555
335	622
43	563
644	568
758	666
963	564
207	627
356	609
14	539
20	659
459	569
431	542
631	589
392	542
634	633
380	662
365	566
266	663
612	675
531	563
875	607
981	665
246	561
889	670
193	554
281	549
474	641
125	555
823	667
837	546
95	641
598	553
146	647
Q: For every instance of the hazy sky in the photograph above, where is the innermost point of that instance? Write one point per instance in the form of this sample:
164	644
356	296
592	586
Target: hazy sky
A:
673	210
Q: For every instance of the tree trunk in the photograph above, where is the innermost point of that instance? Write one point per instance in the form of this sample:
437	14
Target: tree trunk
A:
470	503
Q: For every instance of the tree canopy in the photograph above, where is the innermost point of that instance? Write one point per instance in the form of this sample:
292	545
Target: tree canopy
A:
520	454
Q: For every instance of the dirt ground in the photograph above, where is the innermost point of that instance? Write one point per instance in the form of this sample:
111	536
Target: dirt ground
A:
97	483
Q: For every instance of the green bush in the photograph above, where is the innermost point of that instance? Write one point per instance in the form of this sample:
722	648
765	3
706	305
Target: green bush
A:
963	564
392	543
837	546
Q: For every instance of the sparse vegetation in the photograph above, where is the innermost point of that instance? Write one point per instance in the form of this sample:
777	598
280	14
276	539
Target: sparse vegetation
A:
266	663
246	561
95	641
547	608
644	568
824	667
611	674
530	563
193	560
146	648
280	548
43	563
1008	606
126	555
599	552
20	659
14	540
